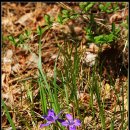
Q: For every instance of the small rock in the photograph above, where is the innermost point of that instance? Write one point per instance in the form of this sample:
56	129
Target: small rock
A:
90	58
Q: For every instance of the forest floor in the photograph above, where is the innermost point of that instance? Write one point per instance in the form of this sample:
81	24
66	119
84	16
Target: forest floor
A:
100	65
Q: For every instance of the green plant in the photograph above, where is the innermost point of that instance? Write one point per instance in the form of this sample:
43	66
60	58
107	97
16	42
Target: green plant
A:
108	7
21	40
103	38
86	6
47	94
48	19
96	90
66	15
13	41
8	116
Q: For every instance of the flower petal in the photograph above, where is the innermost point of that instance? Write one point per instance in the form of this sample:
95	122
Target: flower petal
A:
69	117
44	117
72	127
50	118
51	113
59	114
65	123
47	124
60	120
77	122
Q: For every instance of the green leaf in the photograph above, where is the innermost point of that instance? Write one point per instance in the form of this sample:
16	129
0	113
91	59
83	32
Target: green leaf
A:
8	116
109	11
47	18
60	19
87	8
11	38
27	33
124	24
21	39
99	39
113	27
101	6
90	38
107	4
66	12
74	16
117	31
110	37
4	38
64	20
39	30
112	125
82	5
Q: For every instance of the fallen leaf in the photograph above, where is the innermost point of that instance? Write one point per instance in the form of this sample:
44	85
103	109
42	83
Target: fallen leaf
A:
32	59
78	30
3	78
84	97
118	16
6	21
9	54
16	67
54	56
22	59
94	47
124	13
7	61
54	11
115	17
87	119
24	18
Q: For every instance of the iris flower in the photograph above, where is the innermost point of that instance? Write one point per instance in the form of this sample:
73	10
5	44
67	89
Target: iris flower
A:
51	117
70	122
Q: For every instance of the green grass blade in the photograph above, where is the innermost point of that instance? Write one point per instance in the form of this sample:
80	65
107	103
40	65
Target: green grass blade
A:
8	116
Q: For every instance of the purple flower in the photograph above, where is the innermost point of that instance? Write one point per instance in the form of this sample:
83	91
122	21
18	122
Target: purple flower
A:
51	118
70	122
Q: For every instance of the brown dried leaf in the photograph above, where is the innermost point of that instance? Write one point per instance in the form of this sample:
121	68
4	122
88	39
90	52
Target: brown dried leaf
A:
118	16
94	47
87	119
8	56
8	95
6	21
61	28
4	121
7	60
115	17
124	14
16	68
32	60
84	97
54	11
3	79
78	30
22	60
24	18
